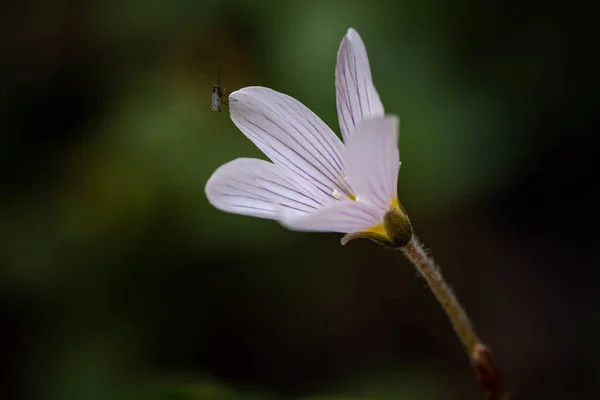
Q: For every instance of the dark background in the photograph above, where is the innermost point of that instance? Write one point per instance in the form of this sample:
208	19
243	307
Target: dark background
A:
119	281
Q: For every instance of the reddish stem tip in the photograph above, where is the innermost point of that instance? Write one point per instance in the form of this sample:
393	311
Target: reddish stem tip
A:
487	373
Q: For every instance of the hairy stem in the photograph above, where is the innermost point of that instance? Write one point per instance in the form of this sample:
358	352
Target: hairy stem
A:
458	317
480	355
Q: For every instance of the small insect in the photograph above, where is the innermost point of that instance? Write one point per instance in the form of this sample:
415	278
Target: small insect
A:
218	95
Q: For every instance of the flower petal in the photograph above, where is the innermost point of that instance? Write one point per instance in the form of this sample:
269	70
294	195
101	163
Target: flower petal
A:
356	96
256	187
373	160
291	135
342	216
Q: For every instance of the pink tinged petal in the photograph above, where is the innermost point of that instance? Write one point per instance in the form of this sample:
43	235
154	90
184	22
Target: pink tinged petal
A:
373	160
291	135
257	188
356	96
341	216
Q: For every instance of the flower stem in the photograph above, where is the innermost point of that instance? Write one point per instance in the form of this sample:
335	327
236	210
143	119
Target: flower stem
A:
480	355
415	252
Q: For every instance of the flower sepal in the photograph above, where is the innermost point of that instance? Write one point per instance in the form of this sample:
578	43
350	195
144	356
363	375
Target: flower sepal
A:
375	237
398	227
395	232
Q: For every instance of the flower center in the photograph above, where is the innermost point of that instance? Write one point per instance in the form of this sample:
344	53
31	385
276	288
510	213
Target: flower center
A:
338	195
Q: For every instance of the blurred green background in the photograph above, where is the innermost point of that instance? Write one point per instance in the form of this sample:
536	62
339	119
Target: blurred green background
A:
119	281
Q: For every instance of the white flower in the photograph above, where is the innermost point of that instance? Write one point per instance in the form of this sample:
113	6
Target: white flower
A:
315	182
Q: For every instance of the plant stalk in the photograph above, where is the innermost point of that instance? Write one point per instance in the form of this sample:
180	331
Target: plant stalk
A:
480	355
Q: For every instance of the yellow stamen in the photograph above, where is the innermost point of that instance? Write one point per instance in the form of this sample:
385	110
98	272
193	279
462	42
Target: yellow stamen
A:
338	195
